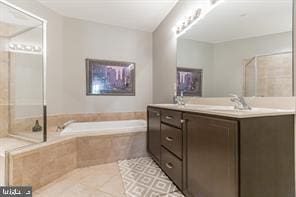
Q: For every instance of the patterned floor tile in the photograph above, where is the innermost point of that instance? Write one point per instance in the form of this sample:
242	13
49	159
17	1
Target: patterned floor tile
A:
173	194
143	178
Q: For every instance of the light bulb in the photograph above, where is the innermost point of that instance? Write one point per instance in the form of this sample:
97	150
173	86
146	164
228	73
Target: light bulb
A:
29	48
12	46
197	13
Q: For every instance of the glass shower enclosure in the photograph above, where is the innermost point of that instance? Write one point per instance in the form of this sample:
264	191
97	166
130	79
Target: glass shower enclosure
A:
22	81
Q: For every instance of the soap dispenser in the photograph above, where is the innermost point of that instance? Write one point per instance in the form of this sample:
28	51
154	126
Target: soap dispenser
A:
36	127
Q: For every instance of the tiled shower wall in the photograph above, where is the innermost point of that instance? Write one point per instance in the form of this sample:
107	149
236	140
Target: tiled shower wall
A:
274	76
4	93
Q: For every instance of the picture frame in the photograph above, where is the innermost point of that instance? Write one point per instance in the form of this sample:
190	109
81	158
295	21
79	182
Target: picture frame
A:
189	81
110	78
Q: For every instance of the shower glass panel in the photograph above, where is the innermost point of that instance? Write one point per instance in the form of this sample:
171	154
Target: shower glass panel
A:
250	79
269	75
22	92
26	86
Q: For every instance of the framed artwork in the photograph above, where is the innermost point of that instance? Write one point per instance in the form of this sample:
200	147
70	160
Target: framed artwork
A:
114	78
189	81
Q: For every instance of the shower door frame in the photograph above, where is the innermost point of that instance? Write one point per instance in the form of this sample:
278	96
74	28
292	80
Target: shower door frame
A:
44	67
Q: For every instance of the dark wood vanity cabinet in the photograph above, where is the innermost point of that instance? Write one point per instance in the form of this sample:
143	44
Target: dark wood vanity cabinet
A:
153	136
216	156
211	159
267	157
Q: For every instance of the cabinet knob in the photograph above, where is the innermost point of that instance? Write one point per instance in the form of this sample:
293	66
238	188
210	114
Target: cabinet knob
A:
182	121
169	117
156	113
170	139
169	165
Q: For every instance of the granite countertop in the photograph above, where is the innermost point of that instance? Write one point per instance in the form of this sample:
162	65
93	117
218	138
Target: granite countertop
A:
226	111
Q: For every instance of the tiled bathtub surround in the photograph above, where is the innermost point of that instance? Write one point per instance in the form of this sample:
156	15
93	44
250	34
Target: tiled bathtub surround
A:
109	148
24	125
42	163
54	120
11	143
40	166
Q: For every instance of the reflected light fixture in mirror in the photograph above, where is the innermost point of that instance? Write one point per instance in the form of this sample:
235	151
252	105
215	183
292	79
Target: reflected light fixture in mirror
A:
22	48
195	16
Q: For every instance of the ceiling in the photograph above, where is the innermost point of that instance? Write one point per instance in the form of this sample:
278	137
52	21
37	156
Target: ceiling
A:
239	19
143	15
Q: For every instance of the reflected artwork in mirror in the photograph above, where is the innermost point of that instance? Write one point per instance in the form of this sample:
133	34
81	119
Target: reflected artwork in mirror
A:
242	47
189	81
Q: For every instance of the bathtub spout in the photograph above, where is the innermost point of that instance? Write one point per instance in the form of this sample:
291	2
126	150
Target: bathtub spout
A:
62	127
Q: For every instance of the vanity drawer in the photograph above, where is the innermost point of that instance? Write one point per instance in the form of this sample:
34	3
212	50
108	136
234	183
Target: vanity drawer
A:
171	138
172	166
171	117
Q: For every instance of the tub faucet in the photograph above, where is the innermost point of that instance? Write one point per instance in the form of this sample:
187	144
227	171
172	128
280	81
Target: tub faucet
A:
180	99
62	127
240	102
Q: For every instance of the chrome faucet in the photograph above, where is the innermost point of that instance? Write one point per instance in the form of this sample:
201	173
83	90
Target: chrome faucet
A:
180	99
62	127
240	102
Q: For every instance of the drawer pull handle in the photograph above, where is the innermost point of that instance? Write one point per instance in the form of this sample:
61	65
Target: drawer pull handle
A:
170	139
169	117
169	165
156	113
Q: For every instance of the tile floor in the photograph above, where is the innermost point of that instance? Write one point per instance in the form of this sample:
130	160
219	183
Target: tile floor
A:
142	177
96	181
107	180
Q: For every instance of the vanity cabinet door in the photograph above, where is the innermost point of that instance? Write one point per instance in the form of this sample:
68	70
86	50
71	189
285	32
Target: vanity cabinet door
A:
210	157
153	133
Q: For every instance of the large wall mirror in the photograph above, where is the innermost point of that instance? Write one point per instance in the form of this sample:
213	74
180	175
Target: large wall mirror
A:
241	47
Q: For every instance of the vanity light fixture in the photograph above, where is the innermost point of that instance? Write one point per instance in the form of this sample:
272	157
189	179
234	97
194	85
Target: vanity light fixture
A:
195	16
189	21
22	48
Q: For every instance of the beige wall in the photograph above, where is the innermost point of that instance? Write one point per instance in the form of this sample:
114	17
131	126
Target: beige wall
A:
84	39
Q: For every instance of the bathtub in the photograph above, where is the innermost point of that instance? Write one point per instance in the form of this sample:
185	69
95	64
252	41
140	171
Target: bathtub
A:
105	127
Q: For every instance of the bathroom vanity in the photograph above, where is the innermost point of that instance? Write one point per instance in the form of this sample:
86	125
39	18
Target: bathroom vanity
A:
221	152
